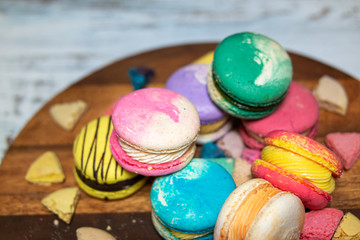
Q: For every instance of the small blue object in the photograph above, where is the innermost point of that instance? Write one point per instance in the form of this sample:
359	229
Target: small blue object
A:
211	150
189	201
140	76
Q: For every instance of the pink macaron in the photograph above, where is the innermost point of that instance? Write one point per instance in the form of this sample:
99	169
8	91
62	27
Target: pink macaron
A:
298	112
155	131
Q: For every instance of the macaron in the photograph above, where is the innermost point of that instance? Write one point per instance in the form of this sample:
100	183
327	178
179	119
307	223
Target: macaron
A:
155	131
96	170
298	164
298	112
190	81
185	204
251	74
257	210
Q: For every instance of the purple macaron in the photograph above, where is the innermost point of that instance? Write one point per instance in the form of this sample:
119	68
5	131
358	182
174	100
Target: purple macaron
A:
190	81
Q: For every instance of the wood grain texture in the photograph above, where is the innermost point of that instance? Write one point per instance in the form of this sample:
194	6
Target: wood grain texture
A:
20	200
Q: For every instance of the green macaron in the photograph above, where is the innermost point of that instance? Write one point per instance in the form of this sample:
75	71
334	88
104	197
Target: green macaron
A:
251	74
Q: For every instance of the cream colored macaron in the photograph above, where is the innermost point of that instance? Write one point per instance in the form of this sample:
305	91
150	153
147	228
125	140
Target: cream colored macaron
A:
257	210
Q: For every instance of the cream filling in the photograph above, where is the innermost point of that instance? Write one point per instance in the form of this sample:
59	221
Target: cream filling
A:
152	157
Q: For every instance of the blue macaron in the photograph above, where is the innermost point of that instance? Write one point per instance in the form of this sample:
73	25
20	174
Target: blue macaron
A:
186	203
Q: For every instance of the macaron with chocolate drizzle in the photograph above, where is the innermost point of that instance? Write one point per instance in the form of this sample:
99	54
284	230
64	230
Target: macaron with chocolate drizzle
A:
96	171
250	75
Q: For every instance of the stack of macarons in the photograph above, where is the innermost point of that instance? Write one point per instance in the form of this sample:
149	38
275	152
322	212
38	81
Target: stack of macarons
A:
155	131
186	204
257	210
190	81
298	112
250	75
298	164
96	171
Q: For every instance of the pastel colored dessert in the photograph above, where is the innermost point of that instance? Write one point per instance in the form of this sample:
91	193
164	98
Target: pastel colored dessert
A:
62	202
96	170
232	144
349	228
190	81
185	204
155	131
345	145
91	233
298	112
45	170
321	224
239	169
331	95
298	164
257	210
251	74
67	114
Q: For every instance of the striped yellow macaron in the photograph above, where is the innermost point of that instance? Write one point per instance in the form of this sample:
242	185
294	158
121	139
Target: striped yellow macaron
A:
96	171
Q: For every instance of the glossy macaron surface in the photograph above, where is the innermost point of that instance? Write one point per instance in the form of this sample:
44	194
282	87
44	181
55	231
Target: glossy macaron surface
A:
252	69
156	119
190	81
190	199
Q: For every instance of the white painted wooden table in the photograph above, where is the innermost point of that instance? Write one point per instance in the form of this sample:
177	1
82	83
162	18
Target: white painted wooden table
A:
46	45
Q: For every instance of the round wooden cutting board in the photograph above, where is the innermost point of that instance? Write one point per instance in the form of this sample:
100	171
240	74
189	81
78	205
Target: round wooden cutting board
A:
22	216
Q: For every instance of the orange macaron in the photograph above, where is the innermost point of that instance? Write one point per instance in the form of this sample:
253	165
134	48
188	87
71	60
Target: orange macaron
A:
258	210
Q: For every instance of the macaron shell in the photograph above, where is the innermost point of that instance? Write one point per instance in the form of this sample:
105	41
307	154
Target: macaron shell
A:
189	200
190	81
92	155
232	203
252	68
249	140
165	232
274	221
298	112
110	195
311	196
306	147
229	107
253	143
156	119
148	169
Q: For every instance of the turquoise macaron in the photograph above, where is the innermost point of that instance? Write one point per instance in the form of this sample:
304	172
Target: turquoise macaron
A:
186	204
251	74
